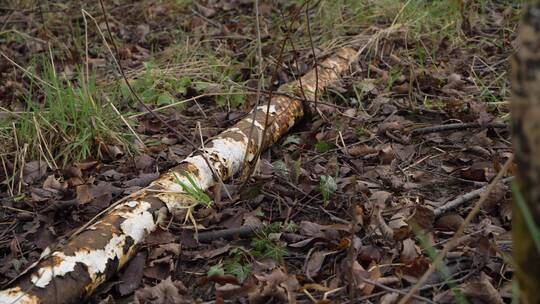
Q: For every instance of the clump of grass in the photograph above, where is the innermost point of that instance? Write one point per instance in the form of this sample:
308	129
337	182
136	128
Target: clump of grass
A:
185	68
196	195
69	123
194	190
331	20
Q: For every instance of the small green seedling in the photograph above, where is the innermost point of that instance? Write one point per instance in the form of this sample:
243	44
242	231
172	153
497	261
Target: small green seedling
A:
327	187
216	270
323	146
267	243
237	265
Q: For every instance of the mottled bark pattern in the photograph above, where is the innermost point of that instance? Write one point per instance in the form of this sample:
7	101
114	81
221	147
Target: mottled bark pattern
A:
98	252
525	78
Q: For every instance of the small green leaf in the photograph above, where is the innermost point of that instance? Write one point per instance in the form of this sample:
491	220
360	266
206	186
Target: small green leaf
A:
221	100
182	85
360	131
124	90
237	100
201	86
291	139
323	146
148	65
241	272
216	270
164	99
148	95
138	85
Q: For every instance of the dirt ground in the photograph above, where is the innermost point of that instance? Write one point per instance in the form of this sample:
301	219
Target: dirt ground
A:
352	205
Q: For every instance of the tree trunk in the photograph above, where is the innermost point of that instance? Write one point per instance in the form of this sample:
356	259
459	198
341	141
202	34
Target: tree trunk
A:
99	251
525	77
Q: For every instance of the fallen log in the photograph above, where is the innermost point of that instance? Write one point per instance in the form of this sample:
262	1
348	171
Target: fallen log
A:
100	250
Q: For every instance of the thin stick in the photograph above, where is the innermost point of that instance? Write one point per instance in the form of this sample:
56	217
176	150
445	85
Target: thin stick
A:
439	259
126	123
7	181
260	82
314	56
53	166
372	282
453	204
242	231
174	104
16	160
457	126
28	73
271	93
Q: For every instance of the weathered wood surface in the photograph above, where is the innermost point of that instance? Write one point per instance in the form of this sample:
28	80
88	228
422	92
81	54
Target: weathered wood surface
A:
99	251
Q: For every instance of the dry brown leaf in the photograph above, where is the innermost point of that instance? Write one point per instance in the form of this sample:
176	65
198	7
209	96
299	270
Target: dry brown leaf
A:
409	252
315	263
166	292
132	276
449	222
482	291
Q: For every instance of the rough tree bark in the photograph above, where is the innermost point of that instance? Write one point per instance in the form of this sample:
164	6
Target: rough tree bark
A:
525	77
99	251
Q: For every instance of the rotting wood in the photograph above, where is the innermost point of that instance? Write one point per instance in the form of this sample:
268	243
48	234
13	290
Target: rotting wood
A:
99	251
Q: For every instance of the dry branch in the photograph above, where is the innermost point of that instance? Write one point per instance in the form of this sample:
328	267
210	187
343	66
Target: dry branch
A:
99	251
458	126
467	197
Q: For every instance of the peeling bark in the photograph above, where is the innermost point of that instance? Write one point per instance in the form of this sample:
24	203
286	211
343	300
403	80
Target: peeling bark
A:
99	251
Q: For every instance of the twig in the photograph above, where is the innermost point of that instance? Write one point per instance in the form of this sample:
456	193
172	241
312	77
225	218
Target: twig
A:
177	103
372	282
230	233
465	198
28	73
458	126
260	82
352	252
126	123
438	260
313	54
270	94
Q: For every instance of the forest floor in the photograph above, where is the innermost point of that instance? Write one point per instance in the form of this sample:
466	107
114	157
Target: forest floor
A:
351	204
